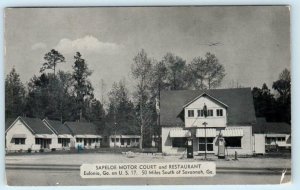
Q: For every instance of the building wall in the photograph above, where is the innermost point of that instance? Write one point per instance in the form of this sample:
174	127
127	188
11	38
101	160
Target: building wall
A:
259	144
133	142
285	143
87	146
212	121
167	142
246	143
19	128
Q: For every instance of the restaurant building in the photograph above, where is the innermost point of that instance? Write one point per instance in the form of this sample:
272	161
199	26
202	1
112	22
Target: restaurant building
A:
207	114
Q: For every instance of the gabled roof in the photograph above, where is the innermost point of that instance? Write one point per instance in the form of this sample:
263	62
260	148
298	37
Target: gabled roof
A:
82	128
204	95
8	122
239	101
57	127
35	125
263	127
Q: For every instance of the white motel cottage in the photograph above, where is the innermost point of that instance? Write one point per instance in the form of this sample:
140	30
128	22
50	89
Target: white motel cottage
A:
124	141
230	114
25	133
29	133
271	136
85	134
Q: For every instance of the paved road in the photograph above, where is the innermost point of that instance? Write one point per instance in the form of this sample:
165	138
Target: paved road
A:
69	175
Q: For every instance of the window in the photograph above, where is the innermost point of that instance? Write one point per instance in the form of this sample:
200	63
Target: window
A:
59	140
190	113
209	144
128	141
200	113
113	140
19	140
210	113
38	141
233	142
281	139
117	140
179	142
219	112
78	139
122	141
137	140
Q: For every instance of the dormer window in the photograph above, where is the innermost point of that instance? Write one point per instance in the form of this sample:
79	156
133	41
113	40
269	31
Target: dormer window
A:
210	113
219	112
200	113
190	113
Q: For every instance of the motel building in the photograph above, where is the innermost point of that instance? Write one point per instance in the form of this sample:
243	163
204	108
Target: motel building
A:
126	141
85	135
23	134
271	136
63	138
29	133
230	114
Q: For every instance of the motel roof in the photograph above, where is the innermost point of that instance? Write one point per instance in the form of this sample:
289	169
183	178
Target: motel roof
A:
8	122
57	127
264	127
82	128
35	125
239	103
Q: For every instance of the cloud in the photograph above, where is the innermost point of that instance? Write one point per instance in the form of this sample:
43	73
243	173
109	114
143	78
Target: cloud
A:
39	45
87	44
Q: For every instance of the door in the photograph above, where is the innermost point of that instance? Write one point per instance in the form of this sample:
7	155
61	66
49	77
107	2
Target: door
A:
45	143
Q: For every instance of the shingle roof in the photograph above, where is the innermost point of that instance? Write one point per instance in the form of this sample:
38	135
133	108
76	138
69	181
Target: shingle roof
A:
8	122
239	102
263	127
36	125
58	127
82	128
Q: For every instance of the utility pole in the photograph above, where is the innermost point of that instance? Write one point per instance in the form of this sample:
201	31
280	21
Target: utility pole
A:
205	139
204	123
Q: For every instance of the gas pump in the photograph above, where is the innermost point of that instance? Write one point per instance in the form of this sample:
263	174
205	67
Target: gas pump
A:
189	148
221	149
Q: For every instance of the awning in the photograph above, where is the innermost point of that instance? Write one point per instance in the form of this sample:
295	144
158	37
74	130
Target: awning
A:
179	133
130	136
275	135
93	136
88	136
65	136
21	136
80	136
232	132
209	132
43	136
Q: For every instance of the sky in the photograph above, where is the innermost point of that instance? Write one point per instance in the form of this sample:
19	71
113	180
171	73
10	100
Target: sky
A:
254	40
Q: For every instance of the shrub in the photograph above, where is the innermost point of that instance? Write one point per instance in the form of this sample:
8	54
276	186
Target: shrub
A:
29	150
53	149
41	150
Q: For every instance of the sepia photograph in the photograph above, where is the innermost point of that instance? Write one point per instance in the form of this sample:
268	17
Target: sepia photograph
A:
170	95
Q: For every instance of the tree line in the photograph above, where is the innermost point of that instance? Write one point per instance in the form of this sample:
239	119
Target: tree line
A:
274	106
69	96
